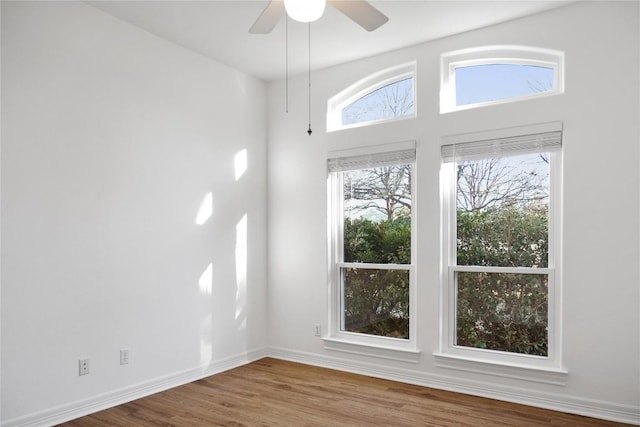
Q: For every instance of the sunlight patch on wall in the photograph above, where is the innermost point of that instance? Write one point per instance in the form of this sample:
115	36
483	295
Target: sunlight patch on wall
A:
206	280
241	267
240	163
206	345
206	209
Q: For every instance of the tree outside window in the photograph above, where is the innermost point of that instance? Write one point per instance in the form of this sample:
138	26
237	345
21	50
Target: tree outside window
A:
377	250
391	101
502	220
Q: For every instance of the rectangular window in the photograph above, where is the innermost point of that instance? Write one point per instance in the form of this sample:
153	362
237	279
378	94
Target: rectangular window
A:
371	246
501	245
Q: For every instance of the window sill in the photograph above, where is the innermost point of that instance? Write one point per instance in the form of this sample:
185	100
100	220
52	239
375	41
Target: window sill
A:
553	376
372	350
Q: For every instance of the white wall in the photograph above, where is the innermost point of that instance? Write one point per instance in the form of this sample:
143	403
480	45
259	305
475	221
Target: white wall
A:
111	139
600	111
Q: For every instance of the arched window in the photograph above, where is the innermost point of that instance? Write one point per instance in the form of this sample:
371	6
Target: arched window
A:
383	96
498	74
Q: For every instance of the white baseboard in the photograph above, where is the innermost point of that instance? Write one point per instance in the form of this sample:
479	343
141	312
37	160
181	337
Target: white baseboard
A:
554	401
77	409
558	402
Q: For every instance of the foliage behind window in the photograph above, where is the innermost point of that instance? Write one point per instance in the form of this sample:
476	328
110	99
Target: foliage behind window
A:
377	230
503	221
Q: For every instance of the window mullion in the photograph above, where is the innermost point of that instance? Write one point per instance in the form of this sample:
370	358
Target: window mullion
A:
374	266
490	269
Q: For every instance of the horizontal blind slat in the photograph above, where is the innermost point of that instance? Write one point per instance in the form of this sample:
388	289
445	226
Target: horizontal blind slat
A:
524	144
340	164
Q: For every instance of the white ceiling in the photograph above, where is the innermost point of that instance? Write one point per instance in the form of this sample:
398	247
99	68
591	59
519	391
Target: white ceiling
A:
219	29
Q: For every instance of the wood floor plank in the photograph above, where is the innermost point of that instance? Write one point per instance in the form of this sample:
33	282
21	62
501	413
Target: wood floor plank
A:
277	393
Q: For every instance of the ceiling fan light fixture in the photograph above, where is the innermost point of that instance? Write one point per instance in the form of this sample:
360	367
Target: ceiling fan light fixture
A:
305	10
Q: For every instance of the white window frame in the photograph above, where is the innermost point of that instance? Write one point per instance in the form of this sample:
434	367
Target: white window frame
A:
514	365
365	86
352	342
487	55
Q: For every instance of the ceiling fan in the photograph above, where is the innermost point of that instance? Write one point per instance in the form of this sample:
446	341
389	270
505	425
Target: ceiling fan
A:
360	11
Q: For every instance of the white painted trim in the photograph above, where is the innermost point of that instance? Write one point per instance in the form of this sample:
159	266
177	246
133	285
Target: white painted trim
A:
502	54
367	85
600	409
113	398
555	401
508	270
340	339
387	352
447	343
505	370
373	266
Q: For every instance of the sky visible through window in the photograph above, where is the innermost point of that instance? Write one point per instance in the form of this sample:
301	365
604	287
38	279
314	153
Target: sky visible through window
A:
493	82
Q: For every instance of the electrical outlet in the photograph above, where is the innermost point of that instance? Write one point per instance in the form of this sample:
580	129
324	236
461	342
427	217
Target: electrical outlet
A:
124	356
318	330
83	365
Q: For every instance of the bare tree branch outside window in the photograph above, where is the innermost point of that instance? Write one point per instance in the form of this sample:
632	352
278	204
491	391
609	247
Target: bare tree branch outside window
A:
393	100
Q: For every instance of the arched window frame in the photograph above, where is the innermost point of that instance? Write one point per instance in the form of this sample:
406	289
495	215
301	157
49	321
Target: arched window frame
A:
488	55
365	86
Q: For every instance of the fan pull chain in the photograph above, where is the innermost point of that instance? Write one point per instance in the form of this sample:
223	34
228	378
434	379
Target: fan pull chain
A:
309	131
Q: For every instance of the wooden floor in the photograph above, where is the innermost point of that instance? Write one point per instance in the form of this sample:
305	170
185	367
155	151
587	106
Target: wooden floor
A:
273	392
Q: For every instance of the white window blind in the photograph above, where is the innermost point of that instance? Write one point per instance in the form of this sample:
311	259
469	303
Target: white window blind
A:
349	160
497	147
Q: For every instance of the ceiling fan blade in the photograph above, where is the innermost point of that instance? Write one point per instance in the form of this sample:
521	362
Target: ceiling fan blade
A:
268	18
361	12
